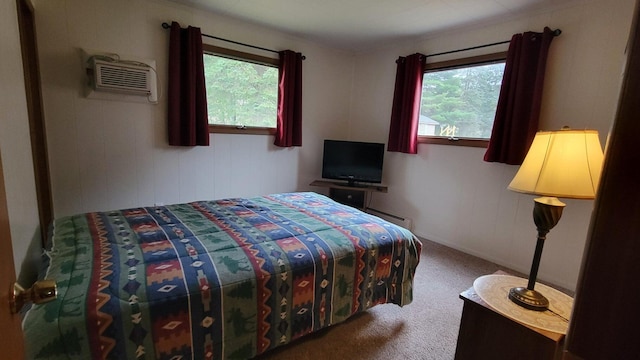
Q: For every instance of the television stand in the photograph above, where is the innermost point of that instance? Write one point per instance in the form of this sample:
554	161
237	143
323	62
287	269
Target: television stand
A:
356	195
353	184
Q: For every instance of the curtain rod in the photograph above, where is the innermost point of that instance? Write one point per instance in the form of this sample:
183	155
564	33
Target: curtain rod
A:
555	32
168	26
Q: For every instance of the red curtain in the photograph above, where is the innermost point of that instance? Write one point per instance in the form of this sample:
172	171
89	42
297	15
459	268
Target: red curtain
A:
403	130
289	125
518	109
188	119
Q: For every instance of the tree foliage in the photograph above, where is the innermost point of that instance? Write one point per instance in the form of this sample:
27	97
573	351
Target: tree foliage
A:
240	93
465	98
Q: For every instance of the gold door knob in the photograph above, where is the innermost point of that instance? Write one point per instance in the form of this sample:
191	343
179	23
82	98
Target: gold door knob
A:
41	292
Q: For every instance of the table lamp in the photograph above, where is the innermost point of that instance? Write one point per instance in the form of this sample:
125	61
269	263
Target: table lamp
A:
564	163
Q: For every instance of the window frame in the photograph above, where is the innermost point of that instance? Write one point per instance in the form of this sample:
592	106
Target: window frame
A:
486	59
250	58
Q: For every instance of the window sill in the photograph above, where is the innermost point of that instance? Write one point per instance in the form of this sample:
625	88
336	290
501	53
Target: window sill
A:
248	130
481	143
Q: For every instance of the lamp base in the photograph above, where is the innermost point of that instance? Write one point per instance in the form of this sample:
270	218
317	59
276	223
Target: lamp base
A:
529	299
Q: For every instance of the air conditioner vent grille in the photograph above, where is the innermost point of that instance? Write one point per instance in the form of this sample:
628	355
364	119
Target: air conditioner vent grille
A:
121	77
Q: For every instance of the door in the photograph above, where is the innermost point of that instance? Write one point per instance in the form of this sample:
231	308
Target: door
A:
604	323
11	337
11	341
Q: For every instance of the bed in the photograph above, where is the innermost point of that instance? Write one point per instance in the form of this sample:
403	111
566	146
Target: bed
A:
223	279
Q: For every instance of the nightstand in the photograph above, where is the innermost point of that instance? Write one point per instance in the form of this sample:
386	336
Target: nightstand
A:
486	333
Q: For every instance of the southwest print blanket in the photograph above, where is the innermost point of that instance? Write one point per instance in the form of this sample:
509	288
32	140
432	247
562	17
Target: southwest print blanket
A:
225	279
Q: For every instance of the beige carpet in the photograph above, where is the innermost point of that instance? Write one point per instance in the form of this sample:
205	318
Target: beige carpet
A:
425	329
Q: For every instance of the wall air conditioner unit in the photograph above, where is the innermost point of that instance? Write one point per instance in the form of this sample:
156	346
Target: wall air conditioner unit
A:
121	77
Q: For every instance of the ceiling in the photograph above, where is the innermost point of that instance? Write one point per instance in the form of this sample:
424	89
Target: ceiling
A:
359	24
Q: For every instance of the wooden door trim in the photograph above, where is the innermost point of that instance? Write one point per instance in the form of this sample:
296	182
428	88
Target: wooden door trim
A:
37	130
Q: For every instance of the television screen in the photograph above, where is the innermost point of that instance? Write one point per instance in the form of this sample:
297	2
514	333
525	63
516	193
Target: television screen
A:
352	161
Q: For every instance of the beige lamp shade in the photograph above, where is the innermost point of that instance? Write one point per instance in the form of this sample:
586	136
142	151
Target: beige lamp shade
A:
564	163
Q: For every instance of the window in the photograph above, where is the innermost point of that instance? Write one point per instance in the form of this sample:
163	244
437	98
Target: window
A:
242	91
459	100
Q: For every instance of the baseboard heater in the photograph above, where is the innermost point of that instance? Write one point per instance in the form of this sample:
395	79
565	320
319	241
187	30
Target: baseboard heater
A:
398	220
384	213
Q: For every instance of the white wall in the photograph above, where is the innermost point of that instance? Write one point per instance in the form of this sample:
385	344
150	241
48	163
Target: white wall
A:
106	154
451	194
15	144
113	154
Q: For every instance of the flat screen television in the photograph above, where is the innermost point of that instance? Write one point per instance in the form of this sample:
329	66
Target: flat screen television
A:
353	161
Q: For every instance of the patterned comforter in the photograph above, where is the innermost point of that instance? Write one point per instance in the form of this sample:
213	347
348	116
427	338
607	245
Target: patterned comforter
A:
225	279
